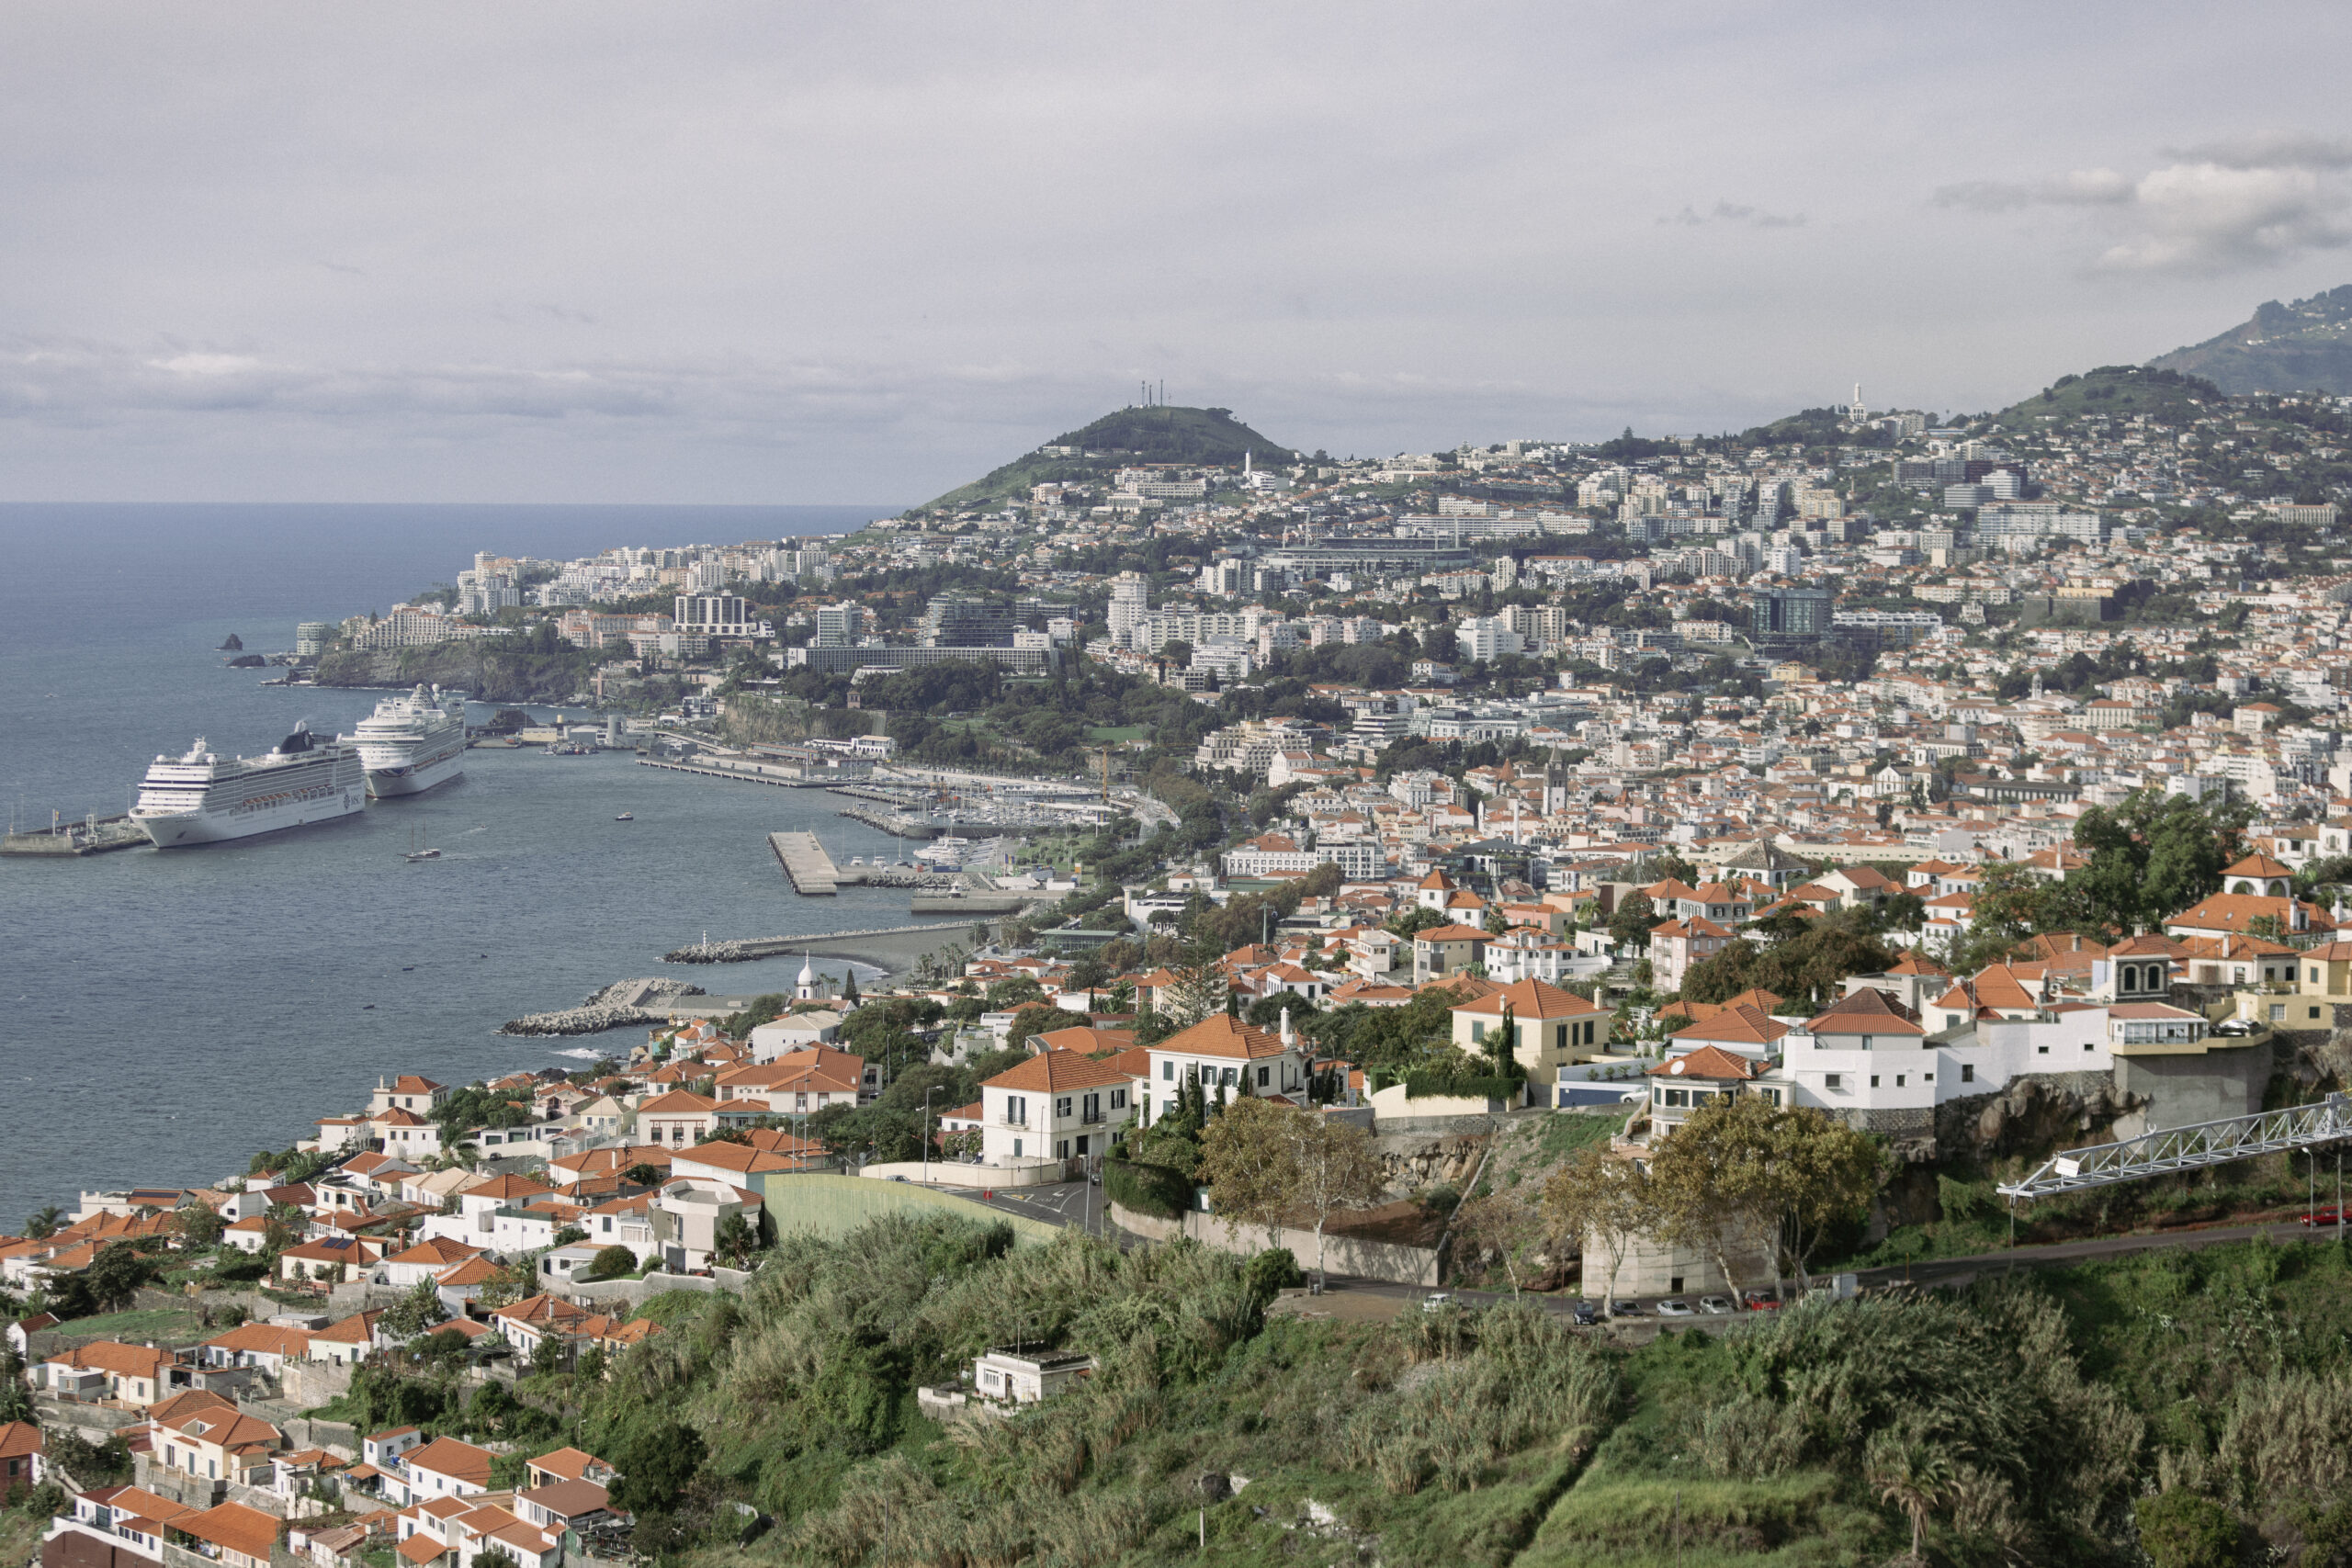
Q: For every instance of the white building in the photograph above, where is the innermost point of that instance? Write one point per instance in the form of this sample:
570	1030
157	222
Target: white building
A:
1056	1105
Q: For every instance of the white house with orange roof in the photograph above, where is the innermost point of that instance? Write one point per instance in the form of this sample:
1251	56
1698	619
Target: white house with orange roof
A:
1056	1105
1223	1051
677	1117
408	1092
1679	945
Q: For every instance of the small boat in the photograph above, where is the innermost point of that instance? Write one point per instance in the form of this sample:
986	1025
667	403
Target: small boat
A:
414	853
625	816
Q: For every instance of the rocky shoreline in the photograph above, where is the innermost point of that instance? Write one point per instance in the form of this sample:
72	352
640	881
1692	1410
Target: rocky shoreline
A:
618	1006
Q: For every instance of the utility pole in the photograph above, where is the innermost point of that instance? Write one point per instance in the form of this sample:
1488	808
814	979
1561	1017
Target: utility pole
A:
926	1130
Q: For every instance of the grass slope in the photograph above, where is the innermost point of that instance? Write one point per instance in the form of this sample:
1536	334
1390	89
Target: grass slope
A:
2115	389
1205	437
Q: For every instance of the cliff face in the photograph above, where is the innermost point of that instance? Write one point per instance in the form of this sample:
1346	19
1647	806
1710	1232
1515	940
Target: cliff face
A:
490	675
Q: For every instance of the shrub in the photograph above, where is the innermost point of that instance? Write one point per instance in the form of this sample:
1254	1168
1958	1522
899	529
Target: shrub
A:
2181	1529
1152	1189
610	1264
1271	1271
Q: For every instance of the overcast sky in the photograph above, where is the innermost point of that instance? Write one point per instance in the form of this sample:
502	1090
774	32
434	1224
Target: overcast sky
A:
829	253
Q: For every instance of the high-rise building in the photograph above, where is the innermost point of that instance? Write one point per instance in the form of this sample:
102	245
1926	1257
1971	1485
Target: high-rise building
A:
712	614
837	625
955	619
1789	615
1130	601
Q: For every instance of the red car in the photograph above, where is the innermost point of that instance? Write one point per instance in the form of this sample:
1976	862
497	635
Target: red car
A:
2324	1217
1761	1301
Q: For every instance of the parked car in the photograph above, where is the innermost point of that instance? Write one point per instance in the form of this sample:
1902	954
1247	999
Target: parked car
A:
1437	1301
1762	1301
1717	1305
1584	1314
1625	1309
2321	1217
1670	1307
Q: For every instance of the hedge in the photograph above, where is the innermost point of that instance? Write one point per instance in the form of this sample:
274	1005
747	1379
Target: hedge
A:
1435	1084
1152	1189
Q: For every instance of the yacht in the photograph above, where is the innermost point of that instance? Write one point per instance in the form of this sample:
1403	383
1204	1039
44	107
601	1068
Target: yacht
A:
412	743
203	798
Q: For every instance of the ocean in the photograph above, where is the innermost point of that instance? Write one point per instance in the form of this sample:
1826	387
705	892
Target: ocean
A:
165	1015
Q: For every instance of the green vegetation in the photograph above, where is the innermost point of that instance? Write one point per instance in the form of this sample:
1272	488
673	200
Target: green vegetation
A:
2115	391
164	1326
1132	436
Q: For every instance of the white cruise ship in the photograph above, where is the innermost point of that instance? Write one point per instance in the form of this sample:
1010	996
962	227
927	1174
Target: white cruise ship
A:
410	744
203	798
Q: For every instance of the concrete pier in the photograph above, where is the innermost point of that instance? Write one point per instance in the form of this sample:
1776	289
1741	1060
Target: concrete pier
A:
806	863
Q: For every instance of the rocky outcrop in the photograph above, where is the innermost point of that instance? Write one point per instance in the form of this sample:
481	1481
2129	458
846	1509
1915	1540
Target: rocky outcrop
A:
1416	1162
2030	1115
492	673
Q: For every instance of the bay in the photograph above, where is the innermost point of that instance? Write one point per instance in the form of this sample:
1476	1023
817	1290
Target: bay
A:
164	1015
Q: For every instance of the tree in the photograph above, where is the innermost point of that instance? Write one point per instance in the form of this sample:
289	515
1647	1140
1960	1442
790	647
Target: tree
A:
198	1227
1599	1200
1907	1471
43	1221
1491	1224
642	1175
1270	1165
610	1263
735	1238
1629	926
106	1283
1742	1171
1502	1044
566	1236
1034	1019
1199	992
656	1467
415	1313
1495	922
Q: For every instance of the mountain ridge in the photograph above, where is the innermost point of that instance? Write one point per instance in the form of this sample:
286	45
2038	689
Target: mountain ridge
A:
2305	346
1136	434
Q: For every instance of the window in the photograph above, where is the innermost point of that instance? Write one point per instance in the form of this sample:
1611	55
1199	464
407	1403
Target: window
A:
1898	1080
1968	1072
1927	1077
1118	1100
1478	1031
2088	1045
1093	1111
2314	1013
2042	1050
1166	1072
1016	1148
1265	1076
1016	1111
2313	975
1061	1105
1228	1075
2278	1012
1678	1097
1833	1080
1873	1081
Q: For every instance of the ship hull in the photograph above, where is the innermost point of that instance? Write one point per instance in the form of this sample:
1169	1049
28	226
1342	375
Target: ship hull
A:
185	830
414	777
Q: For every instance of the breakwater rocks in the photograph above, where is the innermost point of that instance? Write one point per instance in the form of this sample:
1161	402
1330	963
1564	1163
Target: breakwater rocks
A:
743	951
620	1004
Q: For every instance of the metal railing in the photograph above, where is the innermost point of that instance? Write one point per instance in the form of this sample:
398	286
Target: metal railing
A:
2194	1147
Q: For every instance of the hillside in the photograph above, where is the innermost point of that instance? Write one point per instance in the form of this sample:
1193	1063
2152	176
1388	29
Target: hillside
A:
2302	347
1135	436
2171	396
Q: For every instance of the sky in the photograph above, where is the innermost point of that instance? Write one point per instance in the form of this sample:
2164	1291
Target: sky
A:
796	252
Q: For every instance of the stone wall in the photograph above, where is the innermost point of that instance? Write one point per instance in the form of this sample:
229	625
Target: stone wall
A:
97	1422
2178	1091
310	1384
195	1492
1360	1258
338	1437
1654	1267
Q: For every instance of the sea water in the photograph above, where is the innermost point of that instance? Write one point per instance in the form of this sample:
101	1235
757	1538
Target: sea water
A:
165	1014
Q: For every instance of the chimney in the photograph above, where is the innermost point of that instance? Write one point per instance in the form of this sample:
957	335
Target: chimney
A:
2078	942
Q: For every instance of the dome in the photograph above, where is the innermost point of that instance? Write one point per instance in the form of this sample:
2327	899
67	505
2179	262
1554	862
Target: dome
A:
808	970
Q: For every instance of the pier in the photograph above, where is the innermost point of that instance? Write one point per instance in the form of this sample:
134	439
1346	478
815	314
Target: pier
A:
970	903
806	863
91	836
746	772
886	822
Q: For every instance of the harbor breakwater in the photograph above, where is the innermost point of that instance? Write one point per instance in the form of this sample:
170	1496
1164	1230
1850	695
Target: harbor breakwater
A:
620	1004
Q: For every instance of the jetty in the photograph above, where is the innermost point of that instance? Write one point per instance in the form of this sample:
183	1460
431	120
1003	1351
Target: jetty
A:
745	950
805	860
91	836
970	903
745	772
889	822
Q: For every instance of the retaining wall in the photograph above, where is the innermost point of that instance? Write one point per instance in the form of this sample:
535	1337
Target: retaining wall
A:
835	1205
1362	1259
954	1173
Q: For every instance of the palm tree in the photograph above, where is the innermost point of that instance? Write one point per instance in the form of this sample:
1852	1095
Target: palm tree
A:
44	1222
1911	1474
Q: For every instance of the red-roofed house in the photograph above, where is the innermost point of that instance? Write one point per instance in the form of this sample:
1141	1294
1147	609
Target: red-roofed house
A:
1056	1105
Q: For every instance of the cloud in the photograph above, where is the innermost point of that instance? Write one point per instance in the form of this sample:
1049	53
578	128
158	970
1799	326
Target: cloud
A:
1729	212
2222	207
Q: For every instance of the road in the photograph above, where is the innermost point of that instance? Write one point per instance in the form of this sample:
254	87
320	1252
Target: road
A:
1076	1203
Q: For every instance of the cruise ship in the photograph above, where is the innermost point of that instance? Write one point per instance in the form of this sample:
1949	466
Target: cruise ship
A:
410	744
203	798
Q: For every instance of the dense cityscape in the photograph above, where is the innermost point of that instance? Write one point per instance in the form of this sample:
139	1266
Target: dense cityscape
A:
1515	897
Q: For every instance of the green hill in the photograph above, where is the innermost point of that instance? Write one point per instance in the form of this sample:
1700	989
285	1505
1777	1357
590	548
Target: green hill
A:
1205	437
2302	347
2167	395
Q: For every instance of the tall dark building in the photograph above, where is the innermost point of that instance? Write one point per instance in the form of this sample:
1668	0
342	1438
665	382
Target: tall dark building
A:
955	619
1789	615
